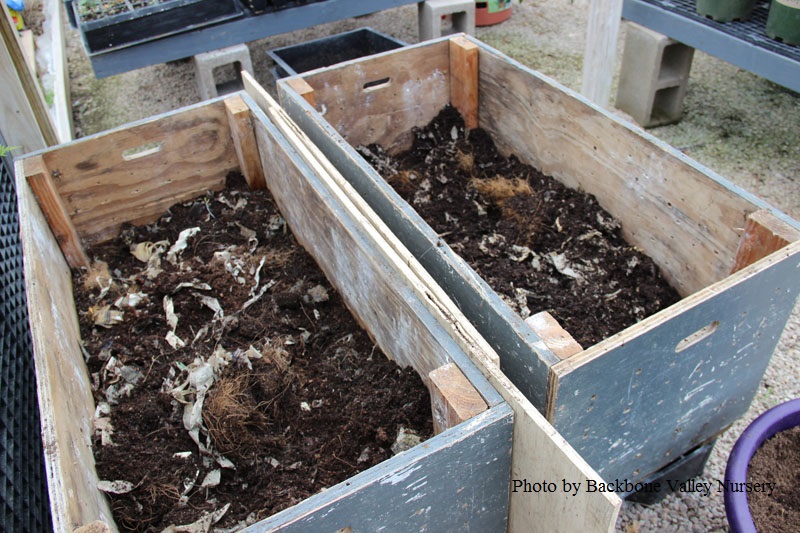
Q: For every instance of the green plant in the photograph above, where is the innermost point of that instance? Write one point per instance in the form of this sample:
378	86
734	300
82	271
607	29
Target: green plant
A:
5	151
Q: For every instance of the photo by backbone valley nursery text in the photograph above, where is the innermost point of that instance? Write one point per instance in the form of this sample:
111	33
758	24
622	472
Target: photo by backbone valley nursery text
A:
624	486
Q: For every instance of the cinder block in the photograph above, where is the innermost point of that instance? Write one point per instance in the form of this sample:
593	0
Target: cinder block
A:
205	63
654	76
431	13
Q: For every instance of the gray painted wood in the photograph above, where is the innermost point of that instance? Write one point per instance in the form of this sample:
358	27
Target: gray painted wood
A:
643	404
456	481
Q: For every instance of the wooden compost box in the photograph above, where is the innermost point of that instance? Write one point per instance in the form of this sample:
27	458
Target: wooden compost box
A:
82	193
88	188
637	402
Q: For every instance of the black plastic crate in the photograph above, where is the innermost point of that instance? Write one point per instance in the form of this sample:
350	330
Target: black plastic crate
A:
266	6
107	25
327	51
24	505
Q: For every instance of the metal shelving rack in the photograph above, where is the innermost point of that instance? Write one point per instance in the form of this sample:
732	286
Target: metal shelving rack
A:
744	44
240	30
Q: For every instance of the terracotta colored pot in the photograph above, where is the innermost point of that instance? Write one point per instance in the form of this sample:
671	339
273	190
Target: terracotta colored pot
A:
488	13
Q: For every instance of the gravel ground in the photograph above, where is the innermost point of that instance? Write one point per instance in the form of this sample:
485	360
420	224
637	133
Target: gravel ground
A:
741	126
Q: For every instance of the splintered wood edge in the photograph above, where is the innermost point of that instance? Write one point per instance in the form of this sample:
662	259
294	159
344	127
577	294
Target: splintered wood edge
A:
555	337
453	398
52	205
764	233
303	88
464	79
244	141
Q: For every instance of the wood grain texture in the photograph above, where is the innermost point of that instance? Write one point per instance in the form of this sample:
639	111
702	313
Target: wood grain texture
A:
133	174
464	79
553	335
66	405
385	113
763	234
680	215
41	182
301	87
21	108
601	50
244	141
453	398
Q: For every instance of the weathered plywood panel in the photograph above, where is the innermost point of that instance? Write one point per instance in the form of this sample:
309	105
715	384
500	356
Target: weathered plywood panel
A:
134	174
456	481
634	402
65	401
381	99
682	217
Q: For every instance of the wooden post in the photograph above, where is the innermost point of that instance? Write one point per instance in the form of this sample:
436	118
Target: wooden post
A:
55	211
464	79
244	141
453	398
556	338
763	234
302	87
601	49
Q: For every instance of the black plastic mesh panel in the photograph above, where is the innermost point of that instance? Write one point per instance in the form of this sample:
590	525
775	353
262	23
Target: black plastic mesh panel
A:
752	30
24	504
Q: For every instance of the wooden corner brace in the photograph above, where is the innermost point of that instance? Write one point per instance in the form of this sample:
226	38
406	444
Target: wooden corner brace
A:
302	87
555	337
453	398
244	141
464	79
55	211
763	234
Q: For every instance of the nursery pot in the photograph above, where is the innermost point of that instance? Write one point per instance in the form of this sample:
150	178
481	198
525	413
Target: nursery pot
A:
725	10
492	12
783	21
779	418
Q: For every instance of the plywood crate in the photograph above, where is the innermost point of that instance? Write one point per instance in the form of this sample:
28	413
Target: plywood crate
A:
638	401
81	193
88	188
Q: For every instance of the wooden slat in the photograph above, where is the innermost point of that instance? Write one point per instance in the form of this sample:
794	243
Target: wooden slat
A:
135	173
21	108
55	211
244	141
62	101
553	335
64	390
763	234
464	79
363	102
601	50
301	87
453	398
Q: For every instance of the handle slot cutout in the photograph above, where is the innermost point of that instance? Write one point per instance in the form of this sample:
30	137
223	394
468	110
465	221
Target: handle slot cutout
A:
698	336
375	85
142	151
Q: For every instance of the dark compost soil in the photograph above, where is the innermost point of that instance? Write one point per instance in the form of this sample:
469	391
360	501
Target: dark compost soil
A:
295	397
777	461
537	243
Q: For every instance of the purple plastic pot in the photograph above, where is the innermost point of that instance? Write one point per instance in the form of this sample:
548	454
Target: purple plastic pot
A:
779	418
